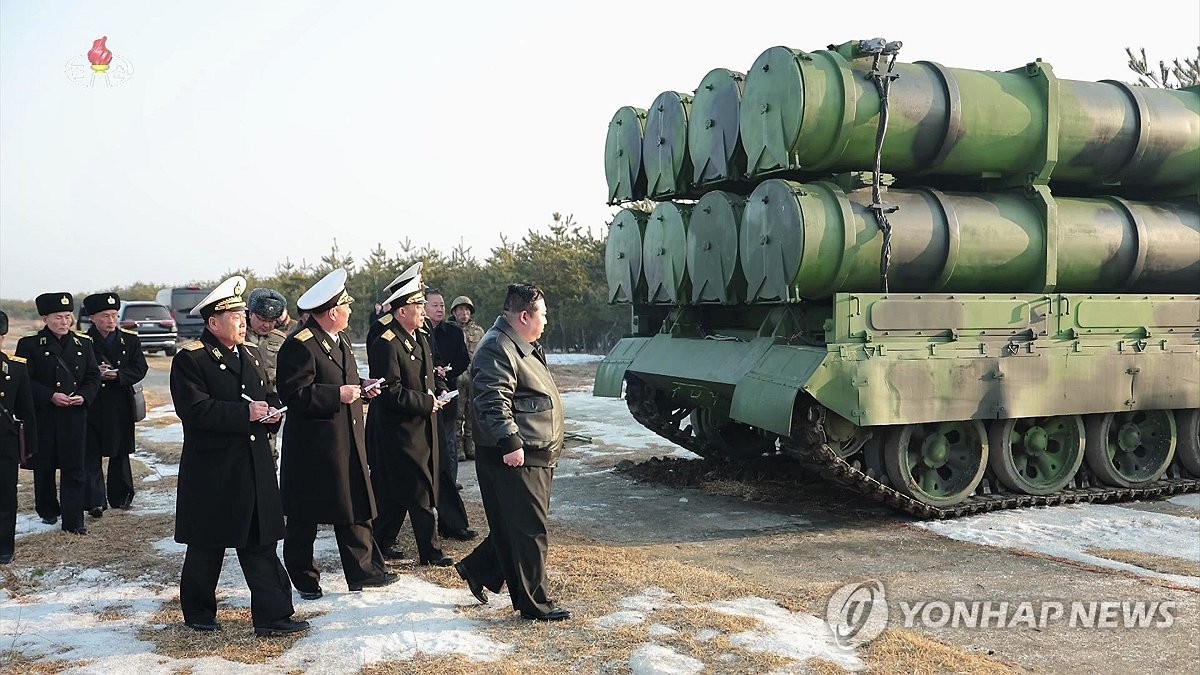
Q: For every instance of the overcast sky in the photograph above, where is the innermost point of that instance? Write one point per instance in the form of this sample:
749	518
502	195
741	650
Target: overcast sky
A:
254	131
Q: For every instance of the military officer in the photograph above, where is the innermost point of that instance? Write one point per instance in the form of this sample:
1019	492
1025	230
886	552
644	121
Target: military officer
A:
65	381
264	309
227	495
402	429
16	406
386	318
323	463
118	352
463	311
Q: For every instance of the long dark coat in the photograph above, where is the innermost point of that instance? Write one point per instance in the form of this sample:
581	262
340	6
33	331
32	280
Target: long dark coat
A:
110	417
16	396
402	428
323	460
227	495
69	367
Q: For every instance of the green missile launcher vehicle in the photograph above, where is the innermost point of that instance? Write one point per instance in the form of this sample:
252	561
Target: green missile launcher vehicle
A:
988	300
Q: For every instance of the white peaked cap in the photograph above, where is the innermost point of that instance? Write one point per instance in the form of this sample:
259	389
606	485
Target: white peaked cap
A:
410	292
227	295
331	286
413	271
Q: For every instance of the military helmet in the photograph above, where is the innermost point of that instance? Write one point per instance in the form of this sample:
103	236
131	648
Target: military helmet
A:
462	300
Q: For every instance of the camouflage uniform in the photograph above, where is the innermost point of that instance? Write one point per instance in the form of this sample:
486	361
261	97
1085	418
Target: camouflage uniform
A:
269	305
473	333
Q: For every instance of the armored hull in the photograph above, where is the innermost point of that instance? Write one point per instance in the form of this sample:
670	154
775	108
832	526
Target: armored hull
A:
1015	321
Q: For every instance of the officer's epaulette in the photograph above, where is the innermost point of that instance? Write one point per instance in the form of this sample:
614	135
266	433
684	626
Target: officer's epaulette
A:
385	319
126	330
305	334
388	335
192	346
249	344
17	359
276	331
82	335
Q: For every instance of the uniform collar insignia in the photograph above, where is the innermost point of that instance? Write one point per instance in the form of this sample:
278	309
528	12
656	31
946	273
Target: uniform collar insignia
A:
325	345
408	345
216	351
4	366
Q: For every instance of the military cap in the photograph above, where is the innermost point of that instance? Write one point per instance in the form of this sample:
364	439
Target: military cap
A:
462	300
412	272
411	293
49	303
226	296
3	323
266	303
98	302
326	294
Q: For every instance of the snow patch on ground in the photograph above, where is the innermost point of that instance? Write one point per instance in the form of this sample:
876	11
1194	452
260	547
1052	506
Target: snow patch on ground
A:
159	468
1068	531
659	660
555	359
608	420
171	433
792	634
1191	501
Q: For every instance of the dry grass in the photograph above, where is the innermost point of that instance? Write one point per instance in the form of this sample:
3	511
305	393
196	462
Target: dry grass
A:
235	641
453	664
168	453
12	661
1150	561
156	398
120	543
898	650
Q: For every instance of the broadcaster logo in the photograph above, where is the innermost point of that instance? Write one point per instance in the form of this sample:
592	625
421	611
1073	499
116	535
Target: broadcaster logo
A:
857	613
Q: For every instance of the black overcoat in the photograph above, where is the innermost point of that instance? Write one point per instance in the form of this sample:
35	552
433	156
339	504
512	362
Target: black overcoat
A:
66	366
16	396
228	496
323	460
110	417
401	426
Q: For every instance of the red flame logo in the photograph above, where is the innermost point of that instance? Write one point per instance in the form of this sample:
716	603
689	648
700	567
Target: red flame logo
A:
99	55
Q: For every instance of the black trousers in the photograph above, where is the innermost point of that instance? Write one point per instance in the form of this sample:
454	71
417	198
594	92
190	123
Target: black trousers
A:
394	499
70	491
93	480
270	594
517	504
120	481
8	504
361	559
451	512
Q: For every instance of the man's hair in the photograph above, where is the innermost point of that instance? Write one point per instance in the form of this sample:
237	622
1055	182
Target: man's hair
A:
521	298
432	291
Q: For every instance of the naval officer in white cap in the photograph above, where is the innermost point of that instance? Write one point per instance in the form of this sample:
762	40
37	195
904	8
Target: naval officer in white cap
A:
385	320
323	461
227	495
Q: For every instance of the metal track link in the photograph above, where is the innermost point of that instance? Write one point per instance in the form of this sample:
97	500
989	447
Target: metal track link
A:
809	444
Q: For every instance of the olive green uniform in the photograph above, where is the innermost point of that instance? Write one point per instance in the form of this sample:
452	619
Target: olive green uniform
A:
473	333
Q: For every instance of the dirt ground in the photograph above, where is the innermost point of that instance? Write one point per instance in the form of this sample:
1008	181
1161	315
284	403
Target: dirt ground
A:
627	517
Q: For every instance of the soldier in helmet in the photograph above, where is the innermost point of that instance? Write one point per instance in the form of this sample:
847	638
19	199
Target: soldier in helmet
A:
463	311
265	309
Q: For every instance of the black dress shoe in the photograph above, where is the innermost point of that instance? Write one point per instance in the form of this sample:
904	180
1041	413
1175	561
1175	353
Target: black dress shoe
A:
374	582
281	627
444	561
460	535
477	588
5	558
96	512
458	486
311	595
78	530
392	553
203	627
126	505
559	614
49	521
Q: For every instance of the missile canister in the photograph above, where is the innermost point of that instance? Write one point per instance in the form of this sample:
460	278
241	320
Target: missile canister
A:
714	140
664	146
818	112
713	266
623	257
664	256
623	156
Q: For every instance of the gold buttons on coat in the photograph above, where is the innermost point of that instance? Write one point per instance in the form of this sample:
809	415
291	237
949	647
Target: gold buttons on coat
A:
252	437
222	366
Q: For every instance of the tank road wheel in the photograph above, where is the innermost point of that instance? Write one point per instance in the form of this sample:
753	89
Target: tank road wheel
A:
1188	450
1130	449
939	463
1036	455
733	440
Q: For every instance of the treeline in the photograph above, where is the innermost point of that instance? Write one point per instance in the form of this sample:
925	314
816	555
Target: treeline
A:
567	263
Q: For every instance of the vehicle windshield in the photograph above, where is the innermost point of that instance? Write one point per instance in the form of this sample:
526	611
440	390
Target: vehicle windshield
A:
185	300
146	313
